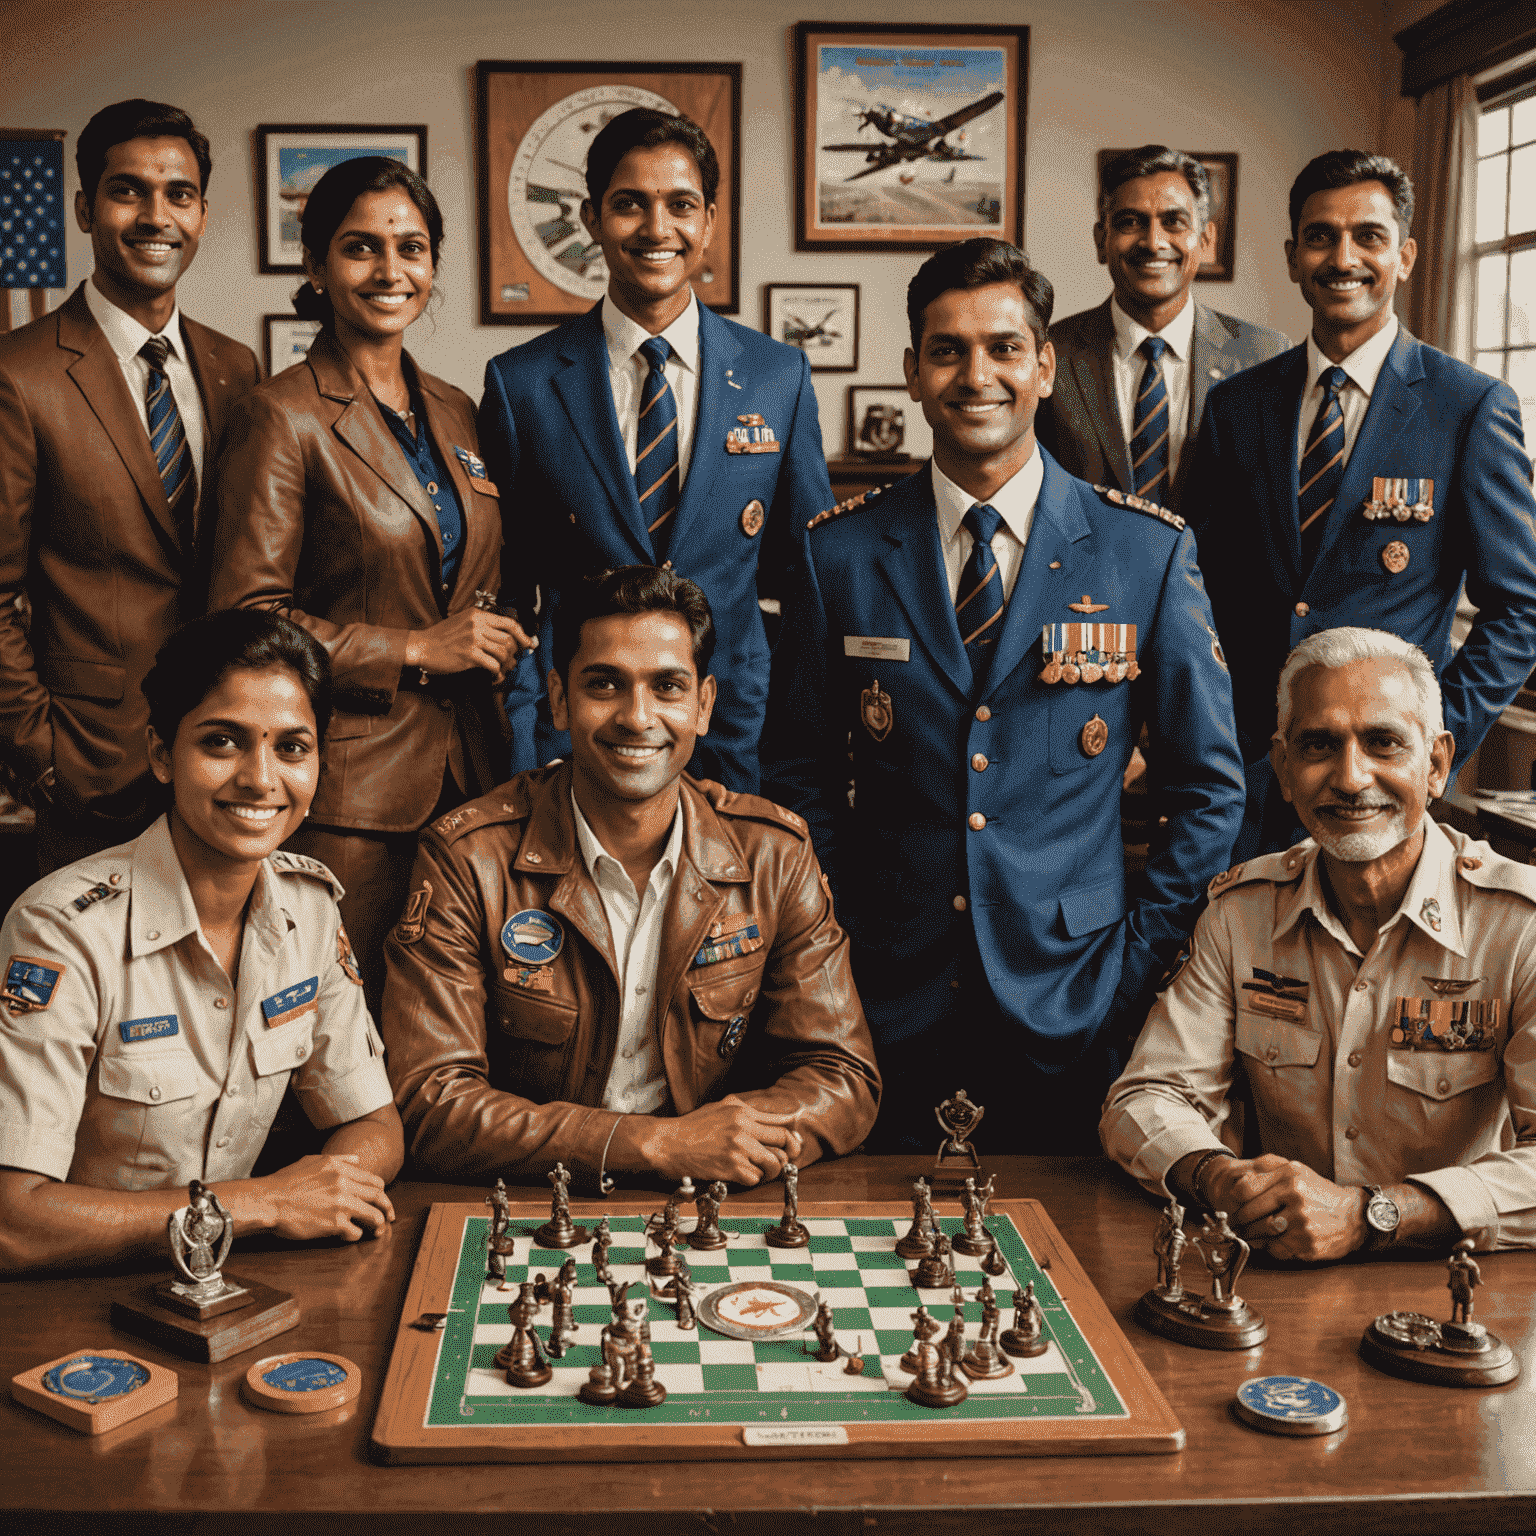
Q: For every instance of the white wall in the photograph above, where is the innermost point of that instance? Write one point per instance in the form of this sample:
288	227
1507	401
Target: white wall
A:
1277	82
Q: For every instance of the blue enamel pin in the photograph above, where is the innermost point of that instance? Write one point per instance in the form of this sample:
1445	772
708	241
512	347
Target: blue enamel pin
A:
531	937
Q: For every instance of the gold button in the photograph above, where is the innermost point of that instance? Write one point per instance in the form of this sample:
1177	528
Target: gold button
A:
959	903
979	761
1465	864
1360	986
154	1093
954	986
1302	610
1354	1058
1271	1054
976	821
983	714
221	1002
299	1053
154	933
431	487
116	879
1351	1134
223	1141
1442	1086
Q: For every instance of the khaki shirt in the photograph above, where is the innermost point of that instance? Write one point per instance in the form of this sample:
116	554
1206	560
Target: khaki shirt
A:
1416	1061
127	1058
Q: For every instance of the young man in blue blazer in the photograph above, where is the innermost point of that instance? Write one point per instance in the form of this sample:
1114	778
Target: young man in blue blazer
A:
650	431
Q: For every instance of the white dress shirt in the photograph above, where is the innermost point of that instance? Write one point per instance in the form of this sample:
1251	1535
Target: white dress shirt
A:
1363	366
637	1081
125	336
627	370
1129	366
1014	503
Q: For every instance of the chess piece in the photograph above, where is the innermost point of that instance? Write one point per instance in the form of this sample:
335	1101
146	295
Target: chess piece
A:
853	1365
919	1239
1222	1320
598	1389
562	1325
520	1357
601	1241
664	1228
682	1286
993	1263
986	1360
924	1327
603	1234
683	1195
1025	1340
936	1384
707	1234
560	1231
1168	1247
642	1389
933	1270
954	1339
826	1336
975	1241
958	1118
499	1248
791	1232
1462	1280
501	1209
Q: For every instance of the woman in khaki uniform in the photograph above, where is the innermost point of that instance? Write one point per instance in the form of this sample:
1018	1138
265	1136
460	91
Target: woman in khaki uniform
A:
352	498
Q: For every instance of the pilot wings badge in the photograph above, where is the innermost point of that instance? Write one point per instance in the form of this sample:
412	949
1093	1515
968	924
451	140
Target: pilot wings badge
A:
877	711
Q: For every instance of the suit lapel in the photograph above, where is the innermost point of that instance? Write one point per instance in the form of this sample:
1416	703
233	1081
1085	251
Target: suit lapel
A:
719	352
1095	382
1278	423
447	428
1209	363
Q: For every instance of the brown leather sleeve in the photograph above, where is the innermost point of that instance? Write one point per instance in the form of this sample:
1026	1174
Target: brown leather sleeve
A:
457	1125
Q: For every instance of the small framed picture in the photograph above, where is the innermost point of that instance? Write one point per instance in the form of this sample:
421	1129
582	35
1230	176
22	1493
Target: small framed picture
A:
292	157
884	423
1221	167
285	341
822	319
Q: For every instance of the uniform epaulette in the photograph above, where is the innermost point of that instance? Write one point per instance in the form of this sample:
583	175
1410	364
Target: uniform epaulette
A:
756	808
852	504
1140	504
501	805
102	890
286	863
1479	865
1268	866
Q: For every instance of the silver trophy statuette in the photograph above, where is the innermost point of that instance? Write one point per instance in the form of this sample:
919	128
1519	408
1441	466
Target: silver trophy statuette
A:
200	1234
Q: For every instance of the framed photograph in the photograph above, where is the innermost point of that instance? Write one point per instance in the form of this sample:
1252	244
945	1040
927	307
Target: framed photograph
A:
1221	167
822	319
535	124
883	423
908	137
292	157
285	341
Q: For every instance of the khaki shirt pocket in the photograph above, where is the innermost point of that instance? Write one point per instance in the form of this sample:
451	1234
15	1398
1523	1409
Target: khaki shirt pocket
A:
1277	1043
1441	1075
284	1049
151	1078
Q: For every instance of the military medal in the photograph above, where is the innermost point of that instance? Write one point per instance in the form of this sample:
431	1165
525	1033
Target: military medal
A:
1094	737
876	711
1397	499
1088	653
753	435
1396	556
1051	672
752	517
1445	1023
1070	672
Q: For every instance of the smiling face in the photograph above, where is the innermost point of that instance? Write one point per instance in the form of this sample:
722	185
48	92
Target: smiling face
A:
1152	241
243	768
145	223
634	706
378	269
654	227
1348	258
979	380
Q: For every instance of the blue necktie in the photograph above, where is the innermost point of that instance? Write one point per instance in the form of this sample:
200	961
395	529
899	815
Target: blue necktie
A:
656	476
168	440
1149	440
1322	467
979	603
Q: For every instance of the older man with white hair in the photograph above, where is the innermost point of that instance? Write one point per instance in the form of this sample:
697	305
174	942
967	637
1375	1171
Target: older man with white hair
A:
1370	993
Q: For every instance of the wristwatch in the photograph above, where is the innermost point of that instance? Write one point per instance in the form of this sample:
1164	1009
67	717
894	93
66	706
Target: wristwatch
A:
1381	1218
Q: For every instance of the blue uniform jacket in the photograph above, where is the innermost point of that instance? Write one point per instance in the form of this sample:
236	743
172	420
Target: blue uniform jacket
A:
551	441
1066	948
1430	417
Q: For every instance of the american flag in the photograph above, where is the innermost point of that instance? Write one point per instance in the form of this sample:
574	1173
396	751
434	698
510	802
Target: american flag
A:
32	209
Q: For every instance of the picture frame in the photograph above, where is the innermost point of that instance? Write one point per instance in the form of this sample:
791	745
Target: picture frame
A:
291	157
534	121
821	319
285	341
1221	167
888	90
885	425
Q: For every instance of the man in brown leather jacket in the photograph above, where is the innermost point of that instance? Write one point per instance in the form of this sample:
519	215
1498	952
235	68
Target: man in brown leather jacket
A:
612	965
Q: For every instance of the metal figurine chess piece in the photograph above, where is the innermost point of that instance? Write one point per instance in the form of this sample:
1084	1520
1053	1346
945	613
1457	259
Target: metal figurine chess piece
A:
662	1230
200	1234
1168	1248
958	1118
975	1199
682	1289
707	1234
562	1325
522	1357
935	1383
986	1360
791	1232
501	1208
954	1339
924	1326
1462	1279
1222	1320
560	1231
1026	1339
826	1334
933	1270
918	1242
684	1194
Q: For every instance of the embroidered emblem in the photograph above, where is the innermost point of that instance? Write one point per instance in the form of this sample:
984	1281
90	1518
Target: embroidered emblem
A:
1088	606
727	946
1094	737
345	958
1224	879
473	465
291	1003
529	978
531	937
455	819
1140	504
1445	1024
413	920
134	1030
752	517
732	1036
91	897
29	984
877	711
1395	557
1430	913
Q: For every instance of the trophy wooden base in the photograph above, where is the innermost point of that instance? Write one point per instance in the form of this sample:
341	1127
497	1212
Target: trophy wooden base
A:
176	1297
1436	1364
1187	1321
950	1173
268	1313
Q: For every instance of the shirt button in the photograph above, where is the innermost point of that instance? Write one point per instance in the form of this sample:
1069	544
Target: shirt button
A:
959	903
1442	1086
1302	610
979	761
299	1053
431	487
1351	1134
154	1093
983	714
221	1002
223	1141
976	821
1354	1058
154	933
231	1093
117	879
628	1055
954	986
1360	986
639	991
1272	1053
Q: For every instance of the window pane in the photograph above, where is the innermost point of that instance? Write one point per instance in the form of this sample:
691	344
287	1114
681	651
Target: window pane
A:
1490	300
1491	363
1525	121
1491	176
1522	377
1493	131
1522	298
1522	190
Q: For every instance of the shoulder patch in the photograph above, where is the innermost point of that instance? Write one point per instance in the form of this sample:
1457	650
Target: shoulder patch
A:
1139	504
851	505
1479	865
286	863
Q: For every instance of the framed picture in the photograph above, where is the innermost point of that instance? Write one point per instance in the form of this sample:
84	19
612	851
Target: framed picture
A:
822	319
292	157
884	423
535	124
908	137
1221	167
285	341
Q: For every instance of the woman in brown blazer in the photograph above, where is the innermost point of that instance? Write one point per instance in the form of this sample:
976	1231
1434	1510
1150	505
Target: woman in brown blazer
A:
352	497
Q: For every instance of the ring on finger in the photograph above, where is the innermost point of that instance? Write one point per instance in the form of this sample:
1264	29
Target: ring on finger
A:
1278	1224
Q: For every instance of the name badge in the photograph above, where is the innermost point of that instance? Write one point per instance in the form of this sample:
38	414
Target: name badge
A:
133	1030
285	1006
877	647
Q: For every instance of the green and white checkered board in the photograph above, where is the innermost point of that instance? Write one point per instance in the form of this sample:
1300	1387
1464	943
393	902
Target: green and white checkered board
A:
853	1264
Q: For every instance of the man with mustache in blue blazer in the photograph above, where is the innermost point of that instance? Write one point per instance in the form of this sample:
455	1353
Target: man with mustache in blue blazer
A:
1360	479
649	431
988	637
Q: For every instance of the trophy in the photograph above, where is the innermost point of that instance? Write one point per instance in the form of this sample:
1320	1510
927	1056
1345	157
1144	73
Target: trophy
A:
958	1118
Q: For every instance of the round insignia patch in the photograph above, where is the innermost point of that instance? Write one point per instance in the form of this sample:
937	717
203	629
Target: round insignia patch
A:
1094	737
1395	556
752	517
532	937
1290	1405
95	1378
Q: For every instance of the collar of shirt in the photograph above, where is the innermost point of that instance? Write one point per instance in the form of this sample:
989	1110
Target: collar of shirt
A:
1433	880
600	862
124	334
1363	365
625	336
1179	333
1014	502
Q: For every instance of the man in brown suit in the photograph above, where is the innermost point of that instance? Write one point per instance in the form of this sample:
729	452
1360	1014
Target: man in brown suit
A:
99	526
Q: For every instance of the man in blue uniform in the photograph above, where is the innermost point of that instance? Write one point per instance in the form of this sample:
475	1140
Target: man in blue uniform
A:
990	636
1359	479
649	431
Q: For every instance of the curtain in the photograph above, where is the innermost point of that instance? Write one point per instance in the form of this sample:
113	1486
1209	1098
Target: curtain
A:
1444	173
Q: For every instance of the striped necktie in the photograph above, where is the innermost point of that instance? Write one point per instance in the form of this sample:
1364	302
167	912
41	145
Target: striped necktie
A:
168	440
656	476
1322	467
1149	442
979	604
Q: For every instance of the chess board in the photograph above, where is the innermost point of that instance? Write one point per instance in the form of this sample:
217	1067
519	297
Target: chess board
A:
443	1400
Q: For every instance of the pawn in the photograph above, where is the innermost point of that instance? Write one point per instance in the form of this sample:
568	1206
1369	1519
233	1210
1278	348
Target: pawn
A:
933	1272
994	1263
598	1389
954	1339
682	1285
541	1291
643	1390
706	1233
918	1241
937	1383
853	1365
923	1328
1024	1340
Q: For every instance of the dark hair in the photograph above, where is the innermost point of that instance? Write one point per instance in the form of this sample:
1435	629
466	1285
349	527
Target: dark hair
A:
975	264
136	119
331	201
1345	168
195	660
1156	160
633	589
646	128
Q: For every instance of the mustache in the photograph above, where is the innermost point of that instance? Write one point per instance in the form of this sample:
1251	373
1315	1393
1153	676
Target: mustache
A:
1359	803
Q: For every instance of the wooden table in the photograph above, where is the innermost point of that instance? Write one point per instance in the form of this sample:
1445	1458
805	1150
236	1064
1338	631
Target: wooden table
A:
1413	1458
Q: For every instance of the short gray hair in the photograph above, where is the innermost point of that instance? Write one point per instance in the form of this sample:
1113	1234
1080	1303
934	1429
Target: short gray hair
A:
1341	647
1153	160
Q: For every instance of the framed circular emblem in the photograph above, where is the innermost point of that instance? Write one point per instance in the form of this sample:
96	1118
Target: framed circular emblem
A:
532	937
95	1378
757	1309
1094	737
304	1382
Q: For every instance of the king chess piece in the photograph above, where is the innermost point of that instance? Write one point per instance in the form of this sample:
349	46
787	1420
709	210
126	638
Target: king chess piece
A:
791	1232
918	1242
958	1118
1221	1320
560	1231
933	1270
1026	1339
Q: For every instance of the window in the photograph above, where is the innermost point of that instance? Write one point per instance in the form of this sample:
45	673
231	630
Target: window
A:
1505	250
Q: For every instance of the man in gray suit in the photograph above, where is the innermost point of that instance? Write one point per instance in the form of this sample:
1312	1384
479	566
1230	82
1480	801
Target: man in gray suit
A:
1132	373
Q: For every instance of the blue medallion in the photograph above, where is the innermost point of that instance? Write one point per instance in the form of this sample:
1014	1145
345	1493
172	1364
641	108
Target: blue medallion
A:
532	938
304	1375
95	1378
1289	1397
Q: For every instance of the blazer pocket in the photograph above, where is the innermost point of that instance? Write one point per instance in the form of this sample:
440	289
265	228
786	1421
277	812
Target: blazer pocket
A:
1276	1043
77	679
1092	907
531	1016
1441	1075
345	725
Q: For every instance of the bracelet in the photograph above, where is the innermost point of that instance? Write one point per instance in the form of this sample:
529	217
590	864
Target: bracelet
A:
606	1183
1201	1166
